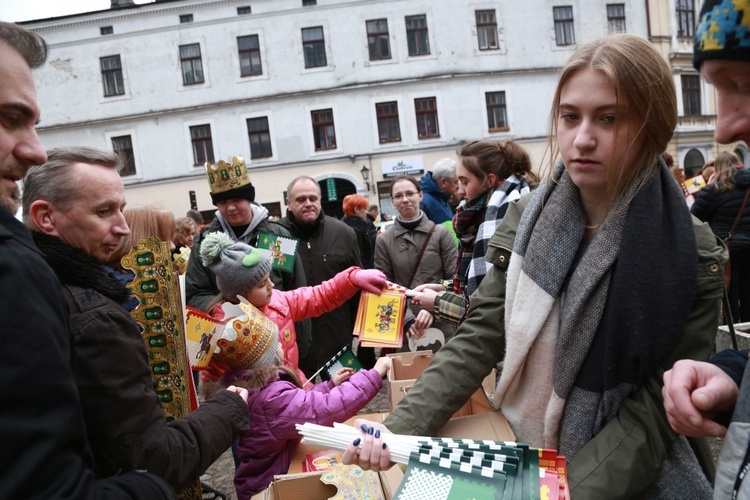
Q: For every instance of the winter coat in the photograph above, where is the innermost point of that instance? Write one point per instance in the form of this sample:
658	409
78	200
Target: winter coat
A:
125	421
625	456
268	446
719	209
330	249
434	201
200	281
365	238
42	429
737	440
397	250
291	306
396	254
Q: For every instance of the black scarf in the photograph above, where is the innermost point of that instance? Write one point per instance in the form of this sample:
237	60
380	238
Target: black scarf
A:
77	268
305	231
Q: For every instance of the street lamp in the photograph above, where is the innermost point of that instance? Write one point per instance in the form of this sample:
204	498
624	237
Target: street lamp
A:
365	176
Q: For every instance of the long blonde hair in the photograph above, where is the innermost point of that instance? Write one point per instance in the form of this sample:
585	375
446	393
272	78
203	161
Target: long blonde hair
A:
643	86
726	166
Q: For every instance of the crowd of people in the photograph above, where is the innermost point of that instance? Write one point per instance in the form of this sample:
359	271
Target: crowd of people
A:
594	288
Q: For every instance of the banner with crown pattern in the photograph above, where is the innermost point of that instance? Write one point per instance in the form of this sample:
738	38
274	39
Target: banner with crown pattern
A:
159	314
224	176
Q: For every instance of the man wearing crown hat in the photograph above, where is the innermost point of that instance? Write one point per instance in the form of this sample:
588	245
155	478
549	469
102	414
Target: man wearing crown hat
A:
701	397
45	453
328	247
73	204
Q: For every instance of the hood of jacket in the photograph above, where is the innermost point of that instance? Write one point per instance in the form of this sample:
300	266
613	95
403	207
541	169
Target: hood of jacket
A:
430	186
77	268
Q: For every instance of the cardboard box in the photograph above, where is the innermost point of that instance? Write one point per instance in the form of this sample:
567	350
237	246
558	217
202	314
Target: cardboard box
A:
406	367
484	425
308	486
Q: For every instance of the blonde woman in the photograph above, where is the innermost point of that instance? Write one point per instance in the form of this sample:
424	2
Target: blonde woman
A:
593	292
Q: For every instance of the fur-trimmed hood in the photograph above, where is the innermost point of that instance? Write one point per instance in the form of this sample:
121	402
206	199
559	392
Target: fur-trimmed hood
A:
77	268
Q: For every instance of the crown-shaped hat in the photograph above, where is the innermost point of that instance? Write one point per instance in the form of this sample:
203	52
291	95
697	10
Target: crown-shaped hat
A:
229	181
249	340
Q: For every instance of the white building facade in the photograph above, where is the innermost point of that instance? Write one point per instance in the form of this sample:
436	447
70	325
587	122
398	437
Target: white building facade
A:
327	89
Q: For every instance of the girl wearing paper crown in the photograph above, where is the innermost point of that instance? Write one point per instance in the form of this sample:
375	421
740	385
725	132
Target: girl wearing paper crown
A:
258	358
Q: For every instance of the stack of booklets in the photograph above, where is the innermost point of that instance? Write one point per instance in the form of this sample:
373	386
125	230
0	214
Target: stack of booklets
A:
443	468
380	318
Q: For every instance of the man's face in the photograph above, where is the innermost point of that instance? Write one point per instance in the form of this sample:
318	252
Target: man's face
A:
94	221
304	201
449	186
732	81
236	211
20	147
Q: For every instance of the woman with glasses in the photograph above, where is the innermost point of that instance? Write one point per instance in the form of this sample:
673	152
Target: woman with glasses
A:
416	251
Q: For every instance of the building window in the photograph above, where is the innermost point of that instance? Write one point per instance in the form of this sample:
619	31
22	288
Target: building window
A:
112	76
427	119
106	30
307	3
241	11
377	39
388	127
249	50
314	47
260	138
203	145
691	95
186	18
123	146
616	17
486	29
323	131
192	66
416	35
497	117
685	18
564	34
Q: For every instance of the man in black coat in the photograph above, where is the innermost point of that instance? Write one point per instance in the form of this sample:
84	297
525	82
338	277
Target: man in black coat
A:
327	247
44	449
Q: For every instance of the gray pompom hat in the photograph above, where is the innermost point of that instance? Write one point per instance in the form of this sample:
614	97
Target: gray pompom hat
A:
238	267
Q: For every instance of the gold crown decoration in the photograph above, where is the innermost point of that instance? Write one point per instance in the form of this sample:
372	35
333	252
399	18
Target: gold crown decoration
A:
222	177
255	335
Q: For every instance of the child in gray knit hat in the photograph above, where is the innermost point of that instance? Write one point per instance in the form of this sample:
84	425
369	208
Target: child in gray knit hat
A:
244	271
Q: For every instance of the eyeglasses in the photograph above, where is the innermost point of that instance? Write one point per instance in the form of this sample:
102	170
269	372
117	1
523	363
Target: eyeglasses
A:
401	196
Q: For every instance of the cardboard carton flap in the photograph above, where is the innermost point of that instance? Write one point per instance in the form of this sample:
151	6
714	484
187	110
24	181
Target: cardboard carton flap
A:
490	425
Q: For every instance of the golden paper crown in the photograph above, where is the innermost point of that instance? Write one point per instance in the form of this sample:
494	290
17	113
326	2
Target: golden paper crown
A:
223	177
257	340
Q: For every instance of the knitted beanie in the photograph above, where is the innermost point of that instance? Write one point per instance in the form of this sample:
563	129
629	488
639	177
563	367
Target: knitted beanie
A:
238	267
723	31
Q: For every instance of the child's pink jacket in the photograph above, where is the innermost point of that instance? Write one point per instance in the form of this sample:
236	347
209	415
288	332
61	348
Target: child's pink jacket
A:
296	305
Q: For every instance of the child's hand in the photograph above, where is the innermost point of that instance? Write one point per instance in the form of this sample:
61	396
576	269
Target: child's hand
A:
239	391
342	375
370	280
382	365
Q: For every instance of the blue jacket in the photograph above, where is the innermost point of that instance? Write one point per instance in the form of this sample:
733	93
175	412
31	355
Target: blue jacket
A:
435	202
